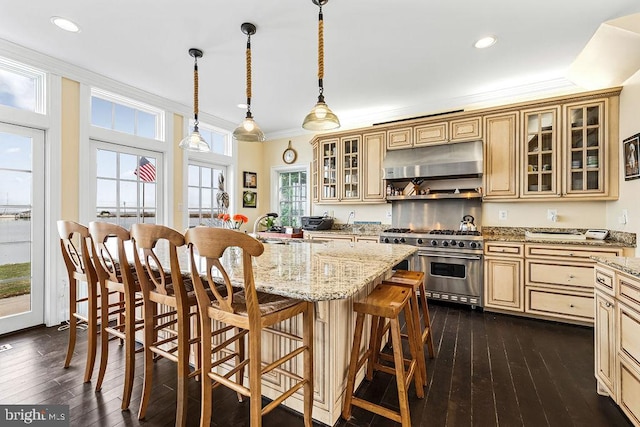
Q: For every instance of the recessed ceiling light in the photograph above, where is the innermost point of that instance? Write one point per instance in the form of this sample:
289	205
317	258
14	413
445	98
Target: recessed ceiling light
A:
243	106
486	42
65	24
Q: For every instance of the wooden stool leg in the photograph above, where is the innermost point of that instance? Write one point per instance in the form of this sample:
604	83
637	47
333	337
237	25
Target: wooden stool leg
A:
426	319
400	378
104	338
205	368
353	367
307	341
417	334
255	377
184	334
92	334
129	349
415	349
73	307
375	341
148	360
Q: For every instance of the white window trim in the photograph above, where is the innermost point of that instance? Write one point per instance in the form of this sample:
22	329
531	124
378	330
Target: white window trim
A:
275	170
38	75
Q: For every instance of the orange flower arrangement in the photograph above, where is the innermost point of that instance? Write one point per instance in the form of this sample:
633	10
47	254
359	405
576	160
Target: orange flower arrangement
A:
235	221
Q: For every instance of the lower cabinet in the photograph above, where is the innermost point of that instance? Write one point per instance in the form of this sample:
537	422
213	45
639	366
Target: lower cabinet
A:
617	339
503	276
334	236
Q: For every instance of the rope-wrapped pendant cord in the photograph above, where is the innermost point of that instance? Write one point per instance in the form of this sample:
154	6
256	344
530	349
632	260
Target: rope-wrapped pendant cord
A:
195	91
320	47
248	56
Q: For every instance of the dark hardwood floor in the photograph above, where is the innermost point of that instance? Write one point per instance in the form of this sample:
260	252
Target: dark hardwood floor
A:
489	370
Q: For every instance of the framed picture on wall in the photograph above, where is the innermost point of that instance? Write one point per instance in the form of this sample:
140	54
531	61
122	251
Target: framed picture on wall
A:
250	179
249	199
631	157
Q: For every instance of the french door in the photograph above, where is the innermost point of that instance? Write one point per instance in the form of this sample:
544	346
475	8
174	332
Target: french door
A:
22	201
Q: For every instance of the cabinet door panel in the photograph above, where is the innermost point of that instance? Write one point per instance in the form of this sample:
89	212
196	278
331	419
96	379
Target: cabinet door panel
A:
605	351
433	133
466	129
547	273
503	284
559	304
373	151
540	153
629	391
501	174
399	138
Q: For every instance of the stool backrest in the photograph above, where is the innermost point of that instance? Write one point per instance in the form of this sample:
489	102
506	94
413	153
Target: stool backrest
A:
149	256
210	244
77	259
109	252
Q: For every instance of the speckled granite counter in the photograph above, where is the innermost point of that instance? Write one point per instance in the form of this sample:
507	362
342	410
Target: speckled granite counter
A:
319	271
628	265
517	234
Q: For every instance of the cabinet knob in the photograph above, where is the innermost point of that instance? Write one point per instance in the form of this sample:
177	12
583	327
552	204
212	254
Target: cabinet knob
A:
571	276
608	304
570	253
571	305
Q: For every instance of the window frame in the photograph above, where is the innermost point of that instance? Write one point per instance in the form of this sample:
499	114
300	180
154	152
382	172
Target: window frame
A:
203	164
40	77
275	185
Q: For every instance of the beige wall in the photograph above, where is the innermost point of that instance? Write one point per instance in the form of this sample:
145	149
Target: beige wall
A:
178	175
534	214
629	190
251	159
70	147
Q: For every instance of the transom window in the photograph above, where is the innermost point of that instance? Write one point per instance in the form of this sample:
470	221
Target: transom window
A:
115	112
292	197
21	86
203	190
218	139
126	187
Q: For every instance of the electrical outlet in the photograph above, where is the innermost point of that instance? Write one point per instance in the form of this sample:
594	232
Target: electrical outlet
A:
552	215
388	214
502	215
625	216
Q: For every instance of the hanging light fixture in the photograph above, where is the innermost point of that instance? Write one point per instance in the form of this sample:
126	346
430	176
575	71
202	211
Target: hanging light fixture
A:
195	141
248	129
321	117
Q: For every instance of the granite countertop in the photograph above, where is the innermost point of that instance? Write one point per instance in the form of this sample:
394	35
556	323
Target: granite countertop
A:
349	231
628	265
317	271
517	235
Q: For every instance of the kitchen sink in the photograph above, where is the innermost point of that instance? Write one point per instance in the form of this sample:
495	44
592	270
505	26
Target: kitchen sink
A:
556	235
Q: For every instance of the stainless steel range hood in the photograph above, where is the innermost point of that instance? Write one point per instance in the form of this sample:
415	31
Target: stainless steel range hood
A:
463	159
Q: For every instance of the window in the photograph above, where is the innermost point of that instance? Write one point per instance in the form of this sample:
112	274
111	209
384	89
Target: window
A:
125	115
21	86
127	187
218	139
292	197
203	189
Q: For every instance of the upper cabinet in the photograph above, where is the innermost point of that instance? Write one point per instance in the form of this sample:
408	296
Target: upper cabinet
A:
424	133
349	168
568	149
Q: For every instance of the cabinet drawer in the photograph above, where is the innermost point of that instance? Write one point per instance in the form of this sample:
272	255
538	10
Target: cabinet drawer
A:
504	249
399	138
604	280
546	273
629	291
629	333
570	252
466	129
629	391
559	304
435	133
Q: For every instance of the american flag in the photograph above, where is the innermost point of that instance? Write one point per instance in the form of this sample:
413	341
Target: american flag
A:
146	171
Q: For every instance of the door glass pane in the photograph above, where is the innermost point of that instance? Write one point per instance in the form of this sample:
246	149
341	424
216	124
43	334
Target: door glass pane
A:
15	223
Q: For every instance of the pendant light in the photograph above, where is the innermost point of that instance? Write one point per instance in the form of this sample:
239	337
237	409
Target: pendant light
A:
195	141
248	130
321	117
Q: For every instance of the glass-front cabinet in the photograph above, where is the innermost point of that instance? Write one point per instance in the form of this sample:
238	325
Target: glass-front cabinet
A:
329	172
540	153
350	168
585	159
340	169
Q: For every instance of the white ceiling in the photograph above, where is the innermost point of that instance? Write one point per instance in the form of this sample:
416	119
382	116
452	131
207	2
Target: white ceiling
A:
384	60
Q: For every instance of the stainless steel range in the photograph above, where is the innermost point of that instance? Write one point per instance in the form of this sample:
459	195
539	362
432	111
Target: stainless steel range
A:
451	261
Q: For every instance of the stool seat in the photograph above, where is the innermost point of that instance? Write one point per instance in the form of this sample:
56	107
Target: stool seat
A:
385	303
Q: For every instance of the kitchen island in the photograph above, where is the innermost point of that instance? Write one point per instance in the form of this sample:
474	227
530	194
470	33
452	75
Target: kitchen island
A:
333	275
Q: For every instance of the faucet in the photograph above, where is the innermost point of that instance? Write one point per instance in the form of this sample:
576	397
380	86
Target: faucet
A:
352	214
260	218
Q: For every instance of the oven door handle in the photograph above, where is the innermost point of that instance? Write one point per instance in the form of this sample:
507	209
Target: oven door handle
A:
441	255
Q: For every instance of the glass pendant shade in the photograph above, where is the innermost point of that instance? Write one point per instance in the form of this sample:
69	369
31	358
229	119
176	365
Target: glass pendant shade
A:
321	118
194	142
249	131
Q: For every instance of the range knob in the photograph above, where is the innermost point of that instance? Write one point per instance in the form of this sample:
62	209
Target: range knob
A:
434	243
474	245
386	240
419	241
396	241
461	244
402	240
453	243
445	243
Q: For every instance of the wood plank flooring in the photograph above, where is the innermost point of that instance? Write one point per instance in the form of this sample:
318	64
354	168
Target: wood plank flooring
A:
489	370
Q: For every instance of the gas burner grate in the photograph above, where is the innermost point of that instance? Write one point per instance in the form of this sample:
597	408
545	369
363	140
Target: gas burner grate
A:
443	232
397	230
468	233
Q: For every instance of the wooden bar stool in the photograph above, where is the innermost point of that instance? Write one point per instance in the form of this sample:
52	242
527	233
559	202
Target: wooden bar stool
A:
385	303
414	280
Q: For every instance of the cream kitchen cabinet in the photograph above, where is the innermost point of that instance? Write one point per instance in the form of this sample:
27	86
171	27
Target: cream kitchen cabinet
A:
540	153
617	338
559	280
503	276
501	148
341	237
348	168
435	133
